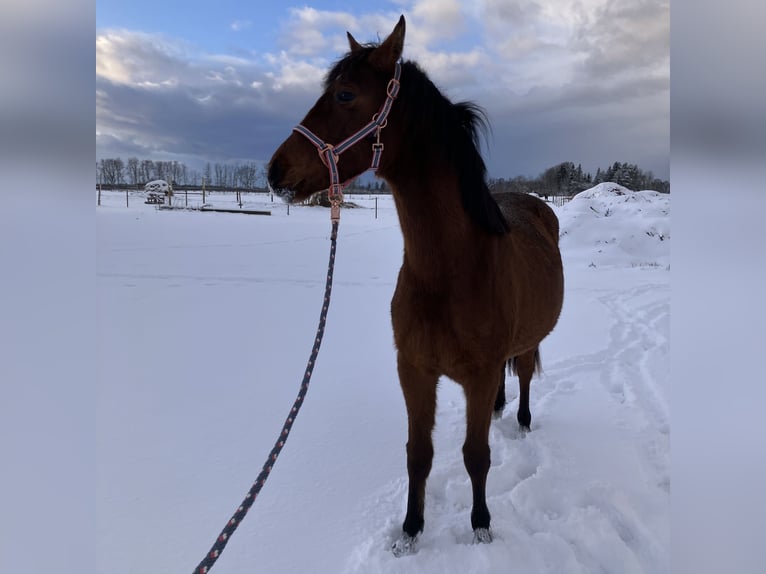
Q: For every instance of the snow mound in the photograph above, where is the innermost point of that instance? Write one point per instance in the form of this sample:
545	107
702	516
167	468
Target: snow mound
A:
610	225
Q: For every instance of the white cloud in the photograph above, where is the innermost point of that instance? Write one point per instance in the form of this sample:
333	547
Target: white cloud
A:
628	35
127	57
437	19
157	97
322	18
309	32
294	73
563	59
239	25
148	60
455	71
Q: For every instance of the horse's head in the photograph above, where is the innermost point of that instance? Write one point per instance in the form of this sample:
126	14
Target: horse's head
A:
355	90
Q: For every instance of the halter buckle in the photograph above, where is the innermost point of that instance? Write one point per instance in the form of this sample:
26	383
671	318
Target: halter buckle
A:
335	209
323	154
381	125
392	89
335	191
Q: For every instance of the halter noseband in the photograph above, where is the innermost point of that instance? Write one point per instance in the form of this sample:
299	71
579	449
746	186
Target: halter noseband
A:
330	154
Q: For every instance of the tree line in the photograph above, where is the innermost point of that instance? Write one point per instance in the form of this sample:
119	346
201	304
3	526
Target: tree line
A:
563	179
137	172
568	179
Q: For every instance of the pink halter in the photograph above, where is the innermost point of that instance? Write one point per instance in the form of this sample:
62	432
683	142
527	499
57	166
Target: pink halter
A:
330	154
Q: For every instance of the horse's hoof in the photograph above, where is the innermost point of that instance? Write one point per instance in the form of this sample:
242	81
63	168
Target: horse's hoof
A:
482	536
404	546
524	429
497	414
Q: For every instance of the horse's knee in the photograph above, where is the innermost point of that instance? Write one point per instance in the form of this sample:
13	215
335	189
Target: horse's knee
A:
477	459
419	458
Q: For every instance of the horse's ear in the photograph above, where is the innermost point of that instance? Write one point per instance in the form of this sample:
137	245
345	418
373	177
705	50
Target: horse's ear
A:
353	43
386	55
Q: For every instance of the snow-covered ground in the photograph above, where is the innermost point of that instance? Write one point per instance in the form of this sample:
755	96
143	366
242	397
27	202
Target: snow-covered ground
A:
205	324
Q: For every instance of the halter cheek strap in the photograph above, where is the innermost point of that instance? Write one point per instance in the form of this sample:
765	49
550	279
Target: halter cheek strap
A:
330	154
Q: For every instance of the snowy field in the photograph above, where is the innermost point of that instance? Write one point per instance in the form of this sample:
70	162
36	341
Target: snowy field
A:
206	322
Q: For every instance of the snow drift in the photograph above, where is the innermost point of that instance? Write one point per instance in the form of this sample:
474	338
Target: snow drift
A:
205	324
614	226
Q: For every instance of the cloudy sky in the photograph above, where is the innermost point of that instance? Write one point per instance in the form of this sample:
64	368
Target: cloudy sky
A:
561	80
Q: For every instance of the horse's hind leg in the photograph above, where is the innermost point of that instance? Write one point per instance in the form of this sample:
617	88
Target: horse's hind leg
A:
480	394
525	366
500	398
419	390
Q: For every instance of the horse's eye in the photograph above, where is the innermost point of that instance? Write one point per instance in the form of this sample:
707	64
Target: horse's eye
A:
344	97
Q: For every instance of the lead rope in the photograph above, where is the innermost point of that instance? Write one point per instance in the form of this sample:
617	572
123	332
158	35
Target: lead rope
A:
239	515
330	156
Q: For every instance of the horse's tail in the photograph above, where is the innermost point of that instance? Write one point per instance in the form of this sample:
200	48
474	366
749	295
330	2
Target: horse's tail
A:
538	364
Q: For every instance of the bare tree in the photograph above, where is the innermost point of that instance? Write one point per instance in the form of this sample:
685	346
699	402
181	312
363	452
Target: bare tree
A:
112	171
175	171
262	179
133	170
146	170
220	175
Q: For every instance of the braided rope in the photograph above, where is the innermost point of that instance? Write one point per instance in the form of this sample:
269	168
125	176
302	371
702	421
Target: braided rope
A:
239	515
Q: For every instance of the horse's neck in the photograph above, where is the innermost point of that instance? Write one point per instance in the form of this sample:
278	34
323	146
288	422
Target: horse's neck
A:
439	237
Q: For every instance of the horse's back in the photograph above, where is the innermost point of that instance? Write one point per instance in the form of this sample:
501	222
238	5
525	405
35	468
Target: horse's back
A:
522	210
533	239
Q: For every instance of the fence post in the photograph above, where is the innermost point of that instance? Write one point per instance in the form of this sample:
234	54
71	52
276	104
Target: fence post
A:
127	203
203	191
99	194
376	207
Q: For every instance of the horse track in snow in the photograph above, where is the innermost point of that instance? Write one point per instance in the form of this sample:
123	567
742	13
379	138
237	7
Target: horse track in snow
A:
587	490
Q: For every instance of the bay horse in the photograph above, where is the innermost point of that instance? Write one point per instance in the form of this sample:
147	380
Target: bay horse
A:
481	282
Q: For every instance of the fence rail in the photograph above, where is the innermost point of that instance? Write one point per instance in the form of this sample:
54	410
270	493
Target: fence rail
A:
181	194
560	200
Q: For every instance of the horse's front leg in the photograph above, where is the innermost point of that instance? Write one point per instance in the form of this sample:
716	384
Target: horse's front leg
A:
419	388
480	394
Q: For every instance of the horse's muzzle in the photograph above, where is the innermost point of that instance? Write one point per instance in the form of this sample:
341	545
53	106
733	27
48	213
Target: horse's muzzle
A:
274	177
274	181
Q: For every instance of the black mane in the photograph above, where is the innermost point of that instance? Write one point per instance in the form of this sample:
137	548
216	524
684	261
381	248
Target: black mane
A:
455	130
449	131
